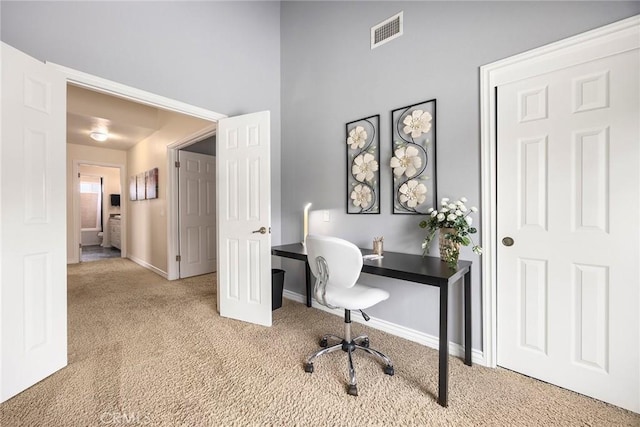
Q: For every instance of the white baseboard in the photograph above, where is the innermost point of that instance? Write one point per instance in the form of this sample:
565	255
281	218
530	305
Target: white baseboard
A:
457	350
148	266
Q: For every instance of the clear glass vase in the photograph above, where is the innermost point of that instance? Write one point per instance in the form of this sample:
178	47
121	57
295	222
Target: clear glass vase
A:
449	249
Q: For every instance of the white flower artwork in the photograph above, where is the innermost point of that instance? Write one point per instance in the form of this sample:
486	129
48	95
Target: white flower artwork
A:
363	164
417	123
413	161
413	193
406	161
361	196
364	167
357	137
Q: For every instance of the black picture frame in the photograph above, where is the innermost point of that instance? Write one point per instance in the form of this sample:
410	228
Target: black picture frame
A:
363	165
413	151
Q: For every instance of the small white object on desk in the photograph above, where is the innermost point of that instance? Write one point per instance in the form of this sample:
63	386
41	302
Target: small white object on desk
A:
372	257
305	223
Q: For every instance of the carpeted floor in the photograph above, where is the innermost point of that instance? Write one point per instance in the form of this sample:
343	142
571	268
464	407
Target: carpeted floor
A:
145	351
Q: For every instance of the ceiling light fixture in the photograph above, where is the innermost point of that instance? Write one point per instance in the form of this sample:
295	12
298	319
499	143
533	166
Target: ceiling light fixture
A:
99	136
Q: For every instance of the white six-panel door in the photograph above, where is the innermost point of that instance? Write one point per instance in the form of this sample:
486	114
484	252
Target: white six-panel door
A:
197	194
33	282
568	195
244	218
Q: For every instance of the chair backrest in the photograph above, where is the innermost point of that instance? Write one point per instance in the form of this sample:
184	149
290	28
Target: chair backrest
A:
343	259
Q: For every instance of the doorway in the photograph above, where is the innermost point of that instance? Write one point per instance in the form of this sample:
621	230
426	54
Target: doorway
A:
33	116
36	228
197	239
137	134
560	163
100	212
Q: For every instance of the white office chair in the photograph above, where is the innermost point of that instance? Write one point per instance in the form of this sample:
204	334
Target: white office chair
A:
336	264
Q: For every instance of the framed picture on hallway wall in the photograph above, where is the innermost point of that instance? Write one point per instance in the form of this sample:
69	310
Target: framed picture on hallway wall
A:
151	177
140	186
133	192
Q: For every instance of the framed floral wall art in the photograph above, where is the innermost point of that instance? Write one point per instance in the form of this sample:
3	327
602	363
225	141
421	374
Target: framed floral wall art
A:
413	161
363	159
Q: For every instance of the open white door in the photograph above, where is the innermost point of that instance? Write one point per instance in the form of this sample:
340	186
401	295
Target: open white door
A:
33	281
197	200
244	218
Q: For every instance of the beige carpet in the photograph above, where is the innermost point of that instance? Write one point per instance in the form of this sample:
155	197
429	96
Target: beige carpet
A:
145	351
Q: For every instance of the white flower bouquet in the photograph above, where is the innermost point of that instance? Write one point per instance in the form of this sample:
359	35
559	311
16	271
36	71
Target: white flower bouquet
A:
455	218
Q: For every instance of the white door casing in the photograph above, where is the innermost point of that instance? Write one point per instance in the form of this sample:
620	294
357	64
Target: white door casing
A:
33	319
173	191
568	193
109	87
197	217
244	207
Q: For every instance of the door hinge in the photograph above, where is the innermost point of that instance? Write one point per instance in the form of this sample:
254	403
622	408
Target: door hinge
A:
78	174
178	258
177	164
80	245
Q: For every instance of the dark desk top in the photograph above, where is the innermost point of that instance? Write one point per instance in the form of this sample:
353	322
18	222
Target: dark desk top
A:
415	268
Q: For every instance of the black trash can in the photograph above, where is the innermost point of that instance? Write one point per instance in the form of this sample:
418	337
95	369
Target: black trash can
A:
277	286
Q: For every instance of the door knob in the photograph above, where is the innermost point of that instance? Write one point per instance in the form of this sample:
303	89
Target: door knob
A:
261	230
507	241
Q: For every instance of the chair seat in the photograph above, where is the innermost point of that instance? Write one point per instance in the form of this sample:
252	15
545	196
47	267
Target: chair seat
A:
358	297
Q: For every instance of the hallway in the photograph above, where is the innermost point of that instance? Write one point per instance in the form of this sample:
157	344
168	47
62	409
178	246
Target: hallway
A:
97	253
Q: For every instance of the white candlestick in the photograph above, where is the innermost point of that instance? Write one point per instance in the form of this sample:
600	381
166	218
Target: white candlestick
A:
305	223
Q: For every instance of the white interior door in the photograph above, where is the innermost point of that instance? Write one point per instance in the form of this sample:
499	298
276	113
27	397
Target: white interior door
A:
568	195
244	218
197	213
33	281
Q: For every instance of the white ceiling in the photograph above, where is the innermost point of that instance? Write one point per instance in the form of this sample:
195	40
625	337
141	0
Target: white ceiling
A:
126	122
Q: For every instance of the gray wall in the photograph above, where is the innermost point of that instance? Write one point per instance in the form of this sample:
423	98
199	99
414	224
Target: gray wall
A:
206	146
223	56
330	77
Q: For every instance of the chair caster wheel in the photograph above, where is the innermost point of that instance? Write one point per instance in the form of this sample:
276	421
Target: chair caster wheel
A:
308	367
352	390
323	343
365	343
389	370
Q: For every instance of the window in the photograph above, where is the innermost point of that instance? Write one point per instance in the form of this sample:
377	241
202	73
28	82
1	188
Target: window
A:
90	203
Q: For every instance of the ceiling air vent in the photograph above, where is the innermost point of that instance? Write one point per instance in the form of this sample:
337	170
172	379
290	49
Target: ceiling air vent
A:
386	31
